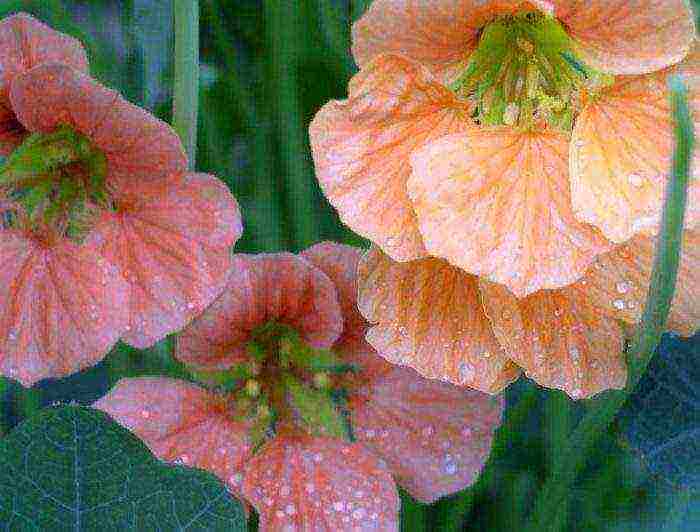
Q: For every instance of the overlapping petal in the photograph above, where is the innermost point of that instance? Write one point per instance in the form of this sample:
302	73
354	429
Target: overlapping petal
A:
621	151
138	146
62	307
439	34
496	203
172	241
427	315
628	36
559	337
619	282
25	43
362	146
320	484
182	422
434	437
262	288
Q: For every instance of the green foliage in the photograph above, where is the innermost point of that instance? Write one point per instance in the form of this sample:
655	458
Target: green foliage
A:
73	468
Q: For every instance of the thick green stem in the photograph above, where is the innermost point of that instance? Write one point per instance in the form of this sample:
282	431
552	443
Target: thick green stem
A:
284	23
663	281
186	88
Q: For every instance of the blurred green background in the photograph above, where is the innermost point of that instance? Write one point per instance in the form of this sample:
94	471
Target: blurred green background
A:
266	68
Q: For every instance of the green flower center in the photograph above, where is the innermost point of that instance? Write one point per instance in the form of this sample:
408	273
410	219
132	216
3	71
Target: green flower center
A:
54	180
524	71
285	380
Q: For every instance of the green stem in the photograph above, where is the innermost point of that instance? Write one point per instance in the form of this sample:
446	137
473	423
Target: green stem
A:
677	518
359	7
414	515
186	88
557	414
663	281
284	23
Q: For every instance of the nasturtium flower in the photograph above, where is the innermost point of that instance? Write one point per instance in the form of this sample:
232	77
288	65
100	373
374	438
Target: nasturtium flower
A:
513	139
296	412
451	325
104	235
25	43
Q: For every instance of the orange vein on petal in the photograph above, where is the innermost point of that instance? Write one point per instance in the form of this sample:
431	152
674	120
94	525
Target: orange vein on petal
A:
495	202
428	315
361	147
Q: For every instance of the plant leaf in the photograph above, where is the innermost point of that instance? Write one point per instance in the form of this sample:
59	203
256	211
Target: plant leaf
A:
74	468
662	417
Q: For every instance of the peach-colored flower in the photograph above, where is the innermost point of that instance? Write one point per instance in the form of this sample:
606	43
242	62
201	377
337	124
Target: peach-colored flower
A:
109	237
454	326
277	430
513	139
25	43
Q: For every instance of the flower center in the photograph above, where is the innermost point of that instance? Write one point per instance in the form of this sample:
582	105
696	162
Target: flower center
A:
525	72
54	180
286	382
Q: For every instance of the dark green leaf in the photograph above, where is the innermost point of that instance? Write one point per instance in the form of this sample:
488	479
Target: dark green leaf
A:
662	417
73	468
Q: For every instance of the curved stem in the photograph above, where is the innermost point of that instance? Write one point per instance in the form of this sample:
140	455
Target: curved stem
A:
663	282
186	87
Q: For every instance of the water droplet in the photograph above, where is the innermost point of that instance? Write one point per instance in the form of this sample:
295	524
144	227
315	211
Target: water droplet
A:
427	431
557	312
236	479
450	468
145	414
466	371
622	287
309	487
370	434
318	457
619	304
635	179
285	491
339	506
574	352
359	513
290	509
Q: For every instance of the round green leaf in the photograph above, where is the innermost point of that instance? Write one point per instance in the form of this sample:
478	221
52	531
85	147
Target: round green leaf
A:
73	468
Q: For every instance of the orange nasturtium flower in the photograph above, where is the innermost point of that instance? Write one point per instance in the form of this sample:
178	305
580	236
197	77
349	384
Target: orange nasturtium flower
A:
455	326
103	234
513	139
25	43
302	417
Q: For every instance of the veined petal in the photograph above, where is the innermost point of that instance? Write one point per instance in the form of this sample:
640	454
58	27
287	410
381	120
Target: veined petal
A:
434	437
62	307
428	315
439	34
261	288
25	43
172	242
559	337
628	36
339	263
181	422
621	151
496	203
619	282
137	145
300	484
361	147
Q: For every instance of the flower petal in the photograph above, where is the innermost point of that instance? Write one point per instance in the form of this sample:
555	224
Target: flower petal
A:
496	202
559	337
261	288
619	282
25	43
138	146
181	422
621	152
320	484
339	263
62	307
172	241
628	36
434	437
439	34
361	147
428	316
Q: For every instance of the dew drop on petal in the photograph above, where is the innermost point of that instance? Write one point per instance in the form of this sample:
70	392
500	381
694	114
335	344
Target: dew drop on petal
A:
635	179
619	304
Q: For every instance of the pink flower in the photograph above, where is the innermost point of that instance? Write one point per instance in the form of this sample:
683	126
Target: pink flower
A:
109	237
25	43
279	341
